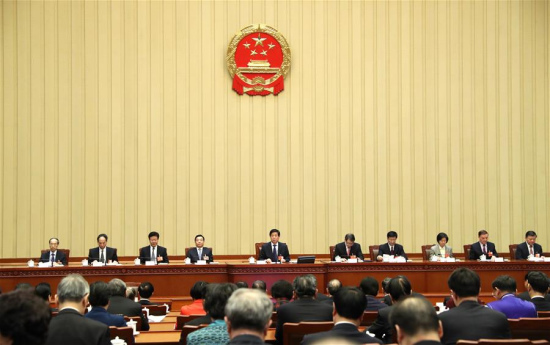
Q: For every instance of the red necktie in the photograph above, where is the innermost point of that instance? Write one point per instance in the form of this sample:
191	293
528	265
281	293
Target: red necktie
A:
347	249
485	249
392	252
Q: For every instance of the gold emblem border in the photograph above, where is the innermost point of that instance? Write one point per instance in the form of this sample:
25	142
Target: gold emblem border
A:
230	57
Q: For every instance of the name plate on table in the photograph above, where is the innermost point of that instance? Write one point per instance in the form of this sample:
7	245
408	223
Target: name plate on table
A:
261	262
97	263
352	261
150	263
201	262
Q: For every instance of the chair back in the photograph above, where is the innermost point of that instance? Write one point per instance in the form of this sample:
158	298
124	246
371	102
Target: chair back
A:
543	313
187	249
181	320
513	248
185	332
530	328
426	251
156	309
368	318
258	248
137	319
126	333
373	251
67	252
467	249
293	333
273	319
331	251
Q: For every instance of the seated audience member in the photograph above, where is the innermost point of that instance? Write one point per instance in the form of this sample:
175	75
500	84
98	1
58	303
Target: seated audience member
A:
332	288
102	253
349	305
119	304
304	307
248	316
70	326
153	252
145	291
24	286
483	247
131	293
391	247
416	322
504	289
441	249
469	320
242	285
24	319
348	249
274	250
200	252
197	293
537	286
44	291
370	287
215	301
99	300
387	297
281	292
399	288
259	285
54	256
529	247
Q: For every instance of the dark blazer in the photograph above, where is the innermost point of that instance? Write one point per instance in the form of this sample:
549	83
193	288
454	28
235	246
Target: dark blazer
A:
124	306
146	302
476	250
71	327
203	320
340	250
381	327
522	251
102	315
342	330
428	342
541	304
267	250
397	248
472	321
373	304
59	257
302	309
145	254
193	254
246	339
110	254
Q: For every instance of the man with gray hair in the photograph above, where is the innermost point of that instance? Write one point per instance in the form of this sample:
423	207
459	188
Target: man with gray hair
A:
70	326
119	304
248	316
305	306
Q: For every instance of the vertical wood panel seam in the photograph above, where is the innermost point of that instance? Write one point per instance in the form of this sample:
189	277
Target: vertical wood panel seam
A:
387	115
497	114
400	115
437	191
534	119
425	166
449	125
412	115
375	117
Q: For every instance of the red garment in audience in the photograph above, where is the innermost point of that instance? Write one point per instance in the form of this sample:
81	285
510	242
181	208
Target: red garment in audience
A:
194	308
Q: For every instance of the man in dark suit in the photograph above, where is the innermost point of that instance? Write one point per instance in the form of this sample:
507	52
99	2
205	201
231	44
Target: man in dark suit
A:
272	251
483	247
537	286
145	291
54	256
304	307
119	304
416	322
70	326
348	248
529	247
349	305
99	300
248	316
102	253
370	287
391	247
200	252
469	320
153	252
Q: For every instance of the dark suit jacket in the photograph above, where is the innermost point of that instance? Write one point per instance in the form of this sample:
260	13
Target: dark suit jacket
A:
428	342
541	304
476	250
110	254
193	254
102	315
373	304
381	327
246	339
267	250
522	251
203	320
146	302
340	250
342	330
59	257
397	248
145	254
302	309
472	321
71	327
124	306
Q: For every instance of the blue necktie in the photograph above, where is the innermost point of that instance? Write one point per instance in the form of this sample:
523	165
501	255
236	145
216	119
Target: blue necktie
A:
274	254
53	258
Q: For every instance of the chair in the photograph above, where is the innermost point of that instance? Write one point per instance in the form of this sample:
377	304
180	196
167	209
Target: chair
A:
530	328
258	248
467	248
273	319
64	251
373	250
185	332
126	333
181	320
156	309
426	250
137	319
331	251
293	333
368	318
501	342
513	248
543	313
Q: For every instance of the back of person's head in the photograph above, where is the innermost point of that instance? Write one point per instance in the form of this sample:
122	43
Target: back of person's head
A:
415	315
131	293
464	282
281	289
369	286
24	286
242	285
43	290
333	286
216	299
72	288
399	288
146	289
305	286
118	287
538	281
385	283
198	290
249	309
259	285
99	294
350	302
24	318
391	234
505	283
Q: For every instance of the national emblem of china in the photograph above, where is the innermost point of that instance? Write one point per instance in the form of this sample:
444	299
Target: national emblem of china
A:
258	59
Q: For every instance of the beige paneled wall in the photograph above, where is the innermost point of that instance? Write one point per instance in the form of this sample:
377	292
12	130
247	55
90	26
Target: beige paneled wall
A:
415	116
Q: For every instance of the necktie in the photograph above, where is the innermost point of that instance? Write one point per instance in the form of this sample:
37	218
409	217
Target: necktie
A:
200	254
154	256
347	249
531	249
101	257
392	252
485	249
274	254
52	260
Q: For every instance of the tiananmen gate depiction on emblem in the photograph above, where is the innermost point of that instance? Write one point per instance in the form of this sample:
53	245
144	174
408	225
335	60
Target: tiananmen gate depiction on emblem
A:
258	59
